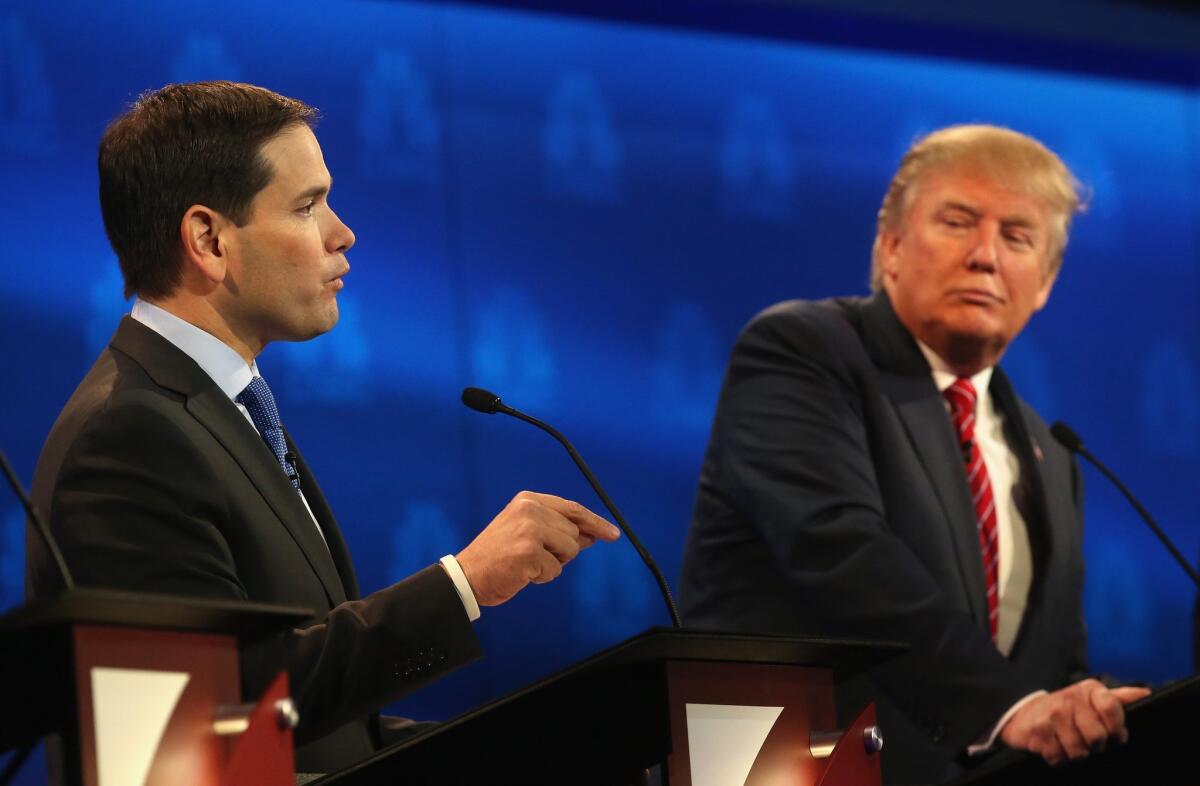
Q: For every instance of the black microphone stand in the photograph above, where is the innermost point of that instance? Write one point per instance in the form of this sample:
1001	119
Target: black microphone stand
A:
489	403
1072	442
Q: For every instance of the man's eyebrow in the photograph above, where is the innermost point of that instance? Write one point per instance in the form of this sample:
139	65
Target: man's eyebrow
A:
315	191
1024	222
1015	220
951	204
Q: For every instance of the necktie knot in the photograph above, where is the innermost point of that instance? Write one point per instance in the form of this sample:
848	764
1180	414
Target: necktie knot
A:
961	397
260	403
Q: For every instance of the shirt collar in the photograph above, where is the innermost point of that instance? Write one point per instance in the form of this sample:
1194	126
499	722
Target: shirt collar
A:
943	377
216	358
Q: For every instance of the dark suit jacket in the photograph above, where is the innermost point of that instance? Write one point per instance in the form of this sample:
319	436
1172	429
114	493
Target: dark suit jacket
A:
833	500
152	480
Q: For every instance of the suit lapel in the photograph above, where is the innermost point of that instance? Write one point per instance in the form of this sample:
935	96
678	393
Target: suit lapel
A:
1033	484
329	526
204	401
217	413
908	383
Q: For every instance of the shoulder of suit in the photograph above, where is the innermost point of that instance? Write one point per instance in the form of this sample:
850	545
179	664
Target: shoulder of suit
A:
116	386
833	313
833	321
115	411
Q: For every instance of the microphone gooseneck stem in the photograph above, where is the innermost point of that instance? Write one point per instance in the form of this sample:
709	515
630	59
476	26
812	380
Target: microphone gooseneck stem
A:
38	524
1145	514
608	503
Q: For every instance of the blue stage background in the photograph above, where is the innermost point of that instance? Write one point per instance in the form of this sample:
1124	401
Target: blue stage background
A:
581	214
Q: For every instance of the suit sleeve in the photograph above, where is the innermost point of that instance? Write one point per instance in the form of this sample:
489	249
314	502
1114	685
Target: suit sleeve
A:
136	507
794	451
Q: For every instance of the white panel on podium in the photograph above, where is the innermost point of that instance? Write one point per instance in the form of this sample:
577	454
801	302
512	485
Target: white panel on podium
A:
132	708
724	740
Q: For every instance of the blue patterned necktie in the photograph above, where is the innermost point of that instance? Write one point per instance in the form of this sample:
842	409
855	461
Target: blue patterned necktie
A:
259	402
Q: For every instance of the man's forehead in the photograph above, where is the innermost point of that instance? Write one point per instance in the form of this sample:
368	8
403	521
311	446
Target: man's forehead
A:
981	193
296	160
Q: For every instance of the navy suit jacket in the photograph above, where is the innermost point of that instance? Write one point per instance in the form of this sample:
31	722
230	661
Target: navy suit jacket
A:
833	500
153	480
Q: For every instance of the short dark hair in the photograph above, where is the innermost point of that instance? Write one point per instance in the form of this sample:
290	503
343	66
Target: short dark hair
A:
183	145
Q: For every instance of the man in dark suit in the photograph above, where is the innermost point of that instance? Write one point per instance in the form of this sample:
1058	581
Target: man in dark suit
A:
871	473
169	469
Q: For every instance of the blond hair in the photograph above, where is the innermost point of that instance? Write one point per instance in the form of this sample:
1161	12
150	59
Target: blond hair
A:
1010	158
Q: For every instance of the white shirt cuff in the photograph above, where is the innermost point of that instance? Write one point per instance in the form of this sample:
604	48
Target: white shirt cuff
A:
462	586
984	744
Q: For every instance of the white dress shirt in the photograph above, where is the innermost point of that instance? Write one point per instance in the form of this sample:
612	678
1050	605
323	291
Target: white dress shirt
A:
1016	559
1004	469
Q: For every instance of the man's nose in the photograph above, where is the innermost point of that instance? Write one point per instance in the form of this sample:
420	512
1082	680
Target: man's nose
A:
986	255
340	238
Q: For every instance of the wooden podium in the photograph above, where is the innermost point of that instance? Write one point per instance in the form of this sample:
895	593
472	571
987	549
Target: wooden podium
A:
682	702
144	689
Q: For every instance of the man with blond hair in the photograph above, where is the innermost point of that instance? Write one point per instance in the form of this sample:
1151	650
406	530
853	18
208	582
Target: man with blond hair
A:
871	473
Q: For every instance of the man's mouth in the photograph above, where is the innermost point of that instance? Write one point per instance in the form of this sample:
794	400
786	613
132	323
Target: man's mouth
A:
336	282
978	297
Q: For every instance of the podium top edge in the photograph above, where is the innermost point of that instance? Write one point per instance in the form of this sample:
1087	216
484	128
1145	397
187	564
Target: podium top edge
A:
845	656
95	606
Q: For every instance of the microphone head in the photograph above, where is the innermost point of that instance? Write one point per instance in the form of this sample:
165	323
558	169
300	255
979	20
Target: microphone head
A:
1066	437
481	400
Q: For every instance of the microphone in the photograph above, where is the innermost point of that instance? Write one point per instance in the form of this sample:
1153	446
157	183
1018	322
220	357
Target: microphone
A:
489	403
47	538
1072	442
485	401
293	473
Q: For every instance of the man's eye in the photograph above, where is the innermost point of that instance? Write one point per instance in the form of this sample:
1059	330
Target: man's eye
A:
307	209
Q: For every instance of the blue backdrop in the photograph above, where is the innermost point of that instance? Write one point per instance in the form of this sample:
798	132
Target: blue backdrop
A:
581	214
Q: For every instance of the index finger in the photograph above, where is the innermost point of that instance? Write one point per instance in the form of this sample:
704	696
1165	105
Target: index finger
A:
588	522
1129	693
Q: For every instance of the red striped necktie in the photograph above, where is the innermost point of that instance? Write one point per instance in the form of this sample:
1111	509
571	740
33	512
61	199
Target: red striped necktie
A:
962	398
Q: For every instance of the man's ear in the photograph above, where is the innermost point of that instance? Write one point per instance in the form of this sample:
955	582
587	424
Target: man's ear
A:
889	263
200	233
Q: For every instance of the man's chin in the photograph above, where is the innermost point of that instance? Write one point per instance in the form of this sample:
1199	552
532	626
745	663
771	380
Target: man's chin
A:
973	323
329	318
313	329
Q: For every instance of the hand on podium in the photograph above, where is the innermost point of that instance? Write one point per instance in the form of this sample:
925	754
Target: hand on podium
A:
1073	722
529	541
